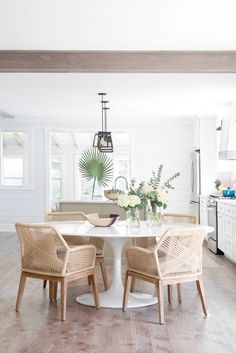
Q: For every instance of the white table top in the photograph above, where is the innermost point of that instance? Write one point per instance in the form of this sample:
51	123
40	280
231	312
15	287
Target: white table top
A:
118	230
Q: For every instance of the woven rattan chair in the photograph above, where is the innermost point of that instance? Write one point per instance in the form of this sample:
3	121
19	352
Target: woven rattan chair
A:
45	255
74	241
177	218
145	243
149	242
180	261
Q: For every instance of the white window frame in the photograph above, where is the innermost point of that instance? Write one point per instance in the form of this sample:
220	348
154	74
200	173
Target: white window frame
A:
29	165
62	158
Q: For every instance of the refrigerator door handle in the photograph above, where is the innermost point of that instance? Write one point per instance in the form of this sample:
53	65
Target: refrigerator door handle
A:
194	202
192	181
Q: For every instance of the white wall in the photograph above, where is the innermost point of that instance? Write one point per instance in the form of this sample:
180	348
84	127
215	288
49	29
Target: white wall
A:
26	205
168	142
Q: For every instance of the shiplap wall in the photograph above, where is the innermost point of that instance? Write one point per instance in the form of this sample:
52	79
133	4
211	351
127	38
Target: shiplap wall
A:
26	205
167	141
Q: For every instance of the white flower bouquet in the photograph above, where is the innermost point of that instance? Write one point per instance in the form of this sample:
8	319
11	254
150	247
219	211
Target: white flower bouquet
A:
156	195
128	201
131	204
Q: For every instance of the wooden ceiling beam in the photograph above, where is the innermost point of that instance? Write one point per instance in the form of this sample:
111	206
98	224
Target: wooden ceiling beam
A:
49	61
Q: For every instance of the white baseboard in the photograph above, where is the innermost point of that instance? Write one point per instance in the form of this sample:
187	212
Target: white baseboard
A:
7	227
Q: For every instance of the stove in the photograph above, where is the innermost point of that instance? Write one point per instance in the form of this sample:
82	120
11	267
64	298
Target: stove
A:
222	197
212	221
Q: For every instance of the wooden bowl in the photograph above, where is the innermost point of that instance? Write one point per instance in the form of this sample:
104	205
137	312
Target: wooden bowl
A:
102	220
110	195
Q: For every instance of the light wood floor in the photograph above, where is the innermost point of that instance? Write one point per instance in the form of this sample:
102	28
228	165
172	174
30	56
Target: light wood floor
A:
38	329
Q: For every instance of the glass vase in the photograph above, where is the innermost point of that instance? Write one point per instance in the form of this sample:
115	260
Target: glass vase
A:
155	215
133	218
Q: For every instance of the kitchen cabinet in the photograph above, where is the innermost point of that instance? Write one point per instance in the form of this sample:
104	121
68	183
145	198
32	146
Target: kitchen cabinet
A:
221	242
227	228
196	134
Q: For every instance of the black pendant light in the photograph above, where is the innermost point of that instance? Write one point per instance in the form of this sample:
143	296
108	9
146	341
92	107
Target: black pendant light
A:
102	139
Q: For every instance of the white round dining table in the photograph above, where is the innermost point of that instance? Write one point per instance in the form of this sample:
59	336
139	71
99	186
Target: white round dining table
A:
116	235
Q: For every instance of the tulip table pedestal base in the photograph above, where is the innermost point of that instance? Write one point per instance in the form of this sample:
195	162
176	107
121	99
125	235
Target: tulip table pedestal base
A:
113	297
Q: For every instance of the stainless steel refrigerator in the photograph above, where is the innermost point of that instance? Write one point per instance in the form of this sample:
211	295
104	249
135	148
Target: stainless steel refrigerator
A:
195	183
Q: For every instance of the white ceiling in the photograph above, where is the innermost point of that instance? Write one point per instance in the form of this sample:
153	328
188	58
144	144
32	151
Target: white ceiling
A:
120	25
56	97
113	24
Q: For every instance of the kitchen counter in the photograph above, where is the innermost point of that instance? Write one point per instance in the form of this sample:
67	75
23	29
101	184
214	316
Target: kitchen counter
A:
231	202
95	201
94	206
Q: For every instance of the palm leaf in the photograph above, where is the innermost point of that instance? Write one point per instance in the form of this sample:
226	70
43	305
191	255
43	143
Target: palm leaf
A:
97	166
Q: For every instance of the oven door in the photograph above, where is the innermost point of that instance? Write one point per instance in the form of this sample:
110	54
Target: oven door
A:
211	216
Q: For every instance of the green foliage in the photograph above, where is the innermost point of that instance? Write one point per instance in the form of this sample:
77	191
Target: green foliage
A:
97	166
168	181
156	178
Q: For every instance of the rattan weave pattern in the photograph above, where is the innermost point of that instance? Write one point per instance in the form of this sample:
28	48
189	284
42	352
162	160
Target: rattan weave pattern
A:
44	251
180	250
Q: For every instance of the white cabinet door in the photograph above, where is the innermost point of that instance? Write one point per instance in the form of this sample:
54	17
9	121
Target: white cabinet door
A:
228	236
221	242
196	134
234	240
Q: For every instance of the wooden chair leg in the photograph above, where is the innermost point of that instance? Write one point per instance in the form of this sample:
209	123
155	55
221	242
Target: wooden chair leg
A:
104	274
169	292
63	298
55	290
160	297
132	287
95	290
44	284
201	292
127	285
179	292
20	291
51	291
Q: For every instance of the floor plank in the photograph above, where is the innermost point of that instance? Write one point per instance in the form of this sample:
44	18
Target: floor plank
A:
38	329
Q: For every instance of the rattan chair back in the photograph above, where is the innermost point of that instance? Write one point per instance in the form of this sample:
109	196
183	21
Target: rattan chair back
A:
65	216
43	249
180	251
178	218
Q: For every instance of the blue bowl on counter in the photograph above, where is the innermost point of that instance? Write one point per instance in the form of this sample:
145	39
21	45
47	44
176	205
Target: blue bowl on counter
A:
229	193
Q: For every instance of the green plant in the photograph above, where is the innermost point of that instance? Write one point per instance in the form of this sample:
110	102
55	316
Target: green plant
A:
97	166
155	192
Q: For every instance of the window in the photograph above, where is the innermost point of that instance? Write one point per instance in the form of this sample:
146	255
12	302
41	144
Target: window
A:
13	171
56	181
14	159
66	149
